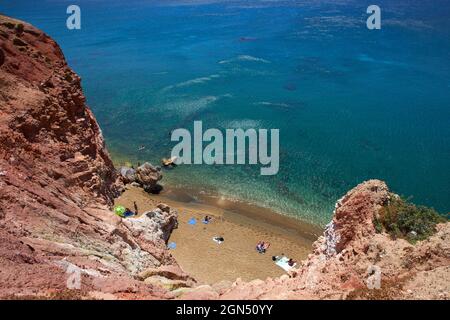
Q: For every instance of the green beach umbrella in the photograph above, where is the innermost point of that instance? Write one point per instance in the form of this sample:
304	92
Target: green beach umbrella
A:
119	210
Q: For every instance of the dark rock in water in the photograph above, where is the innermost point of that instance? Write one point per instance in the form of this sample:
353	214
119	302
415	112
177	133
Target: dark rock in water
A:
148	176
247	39
290	87
154	189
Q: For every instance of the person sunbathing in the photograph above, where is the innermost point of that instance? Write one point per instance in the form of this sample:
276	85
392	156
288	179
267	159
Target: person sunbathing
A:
259	246
262	246
207	219
291	263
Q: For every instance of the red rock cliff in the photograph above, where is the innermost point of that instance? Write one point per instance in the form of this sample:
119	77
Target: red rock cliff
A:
350	257
57	181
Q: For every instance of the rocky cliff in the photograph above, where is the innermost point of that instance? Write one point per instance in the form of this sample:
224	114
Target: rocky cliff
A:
57	184
352	261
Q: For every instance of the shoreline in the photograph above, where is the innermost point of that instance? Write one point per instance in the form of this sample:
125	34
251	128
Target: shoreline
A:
197	189
197	194
241	224
239	209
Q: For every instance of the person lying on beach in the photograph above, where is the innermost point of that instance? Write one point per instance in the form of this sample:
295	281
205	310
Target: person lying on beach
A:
219	240
207	219
291	263
259	246
262	247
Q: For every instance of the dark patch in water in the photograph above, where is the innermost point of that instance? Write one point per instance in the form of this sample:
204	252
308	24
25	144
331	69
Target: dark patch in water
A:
247	39
302	133
199	115
369	145
284	190
290	86
313	66
296	104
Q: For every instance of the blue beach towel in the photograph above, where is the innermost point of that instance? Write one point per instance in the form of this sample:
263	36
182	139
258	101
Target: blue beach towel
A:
172	245
192	221
129	214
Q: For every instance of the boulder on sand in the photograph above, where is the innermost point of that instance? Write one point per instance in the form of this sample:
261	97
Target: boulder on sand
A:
148	176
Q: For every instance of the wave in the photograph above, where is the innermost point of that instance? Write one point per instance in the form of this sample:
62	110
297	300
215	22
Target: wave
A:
191	82
244	58
242	124
272	104
366	58
185	107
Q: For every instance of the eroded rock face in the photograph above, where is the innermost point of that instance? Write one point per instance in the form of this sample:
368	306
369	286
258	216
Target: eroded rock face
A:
57	183
2	57
348	258
128	174
146	176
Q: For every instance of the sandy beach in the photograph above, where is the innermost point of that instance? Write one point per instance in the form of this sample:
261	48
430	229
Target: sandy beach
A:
240	224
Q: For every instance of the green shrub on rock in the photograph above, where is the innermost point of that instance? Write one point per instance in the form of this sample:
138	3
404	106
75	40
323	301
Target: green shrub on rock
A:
402	219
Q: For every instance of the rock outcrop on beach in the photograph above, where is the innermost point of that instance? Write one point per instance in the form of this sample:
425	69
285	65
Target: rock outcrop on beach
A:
57	185
57	230
145	176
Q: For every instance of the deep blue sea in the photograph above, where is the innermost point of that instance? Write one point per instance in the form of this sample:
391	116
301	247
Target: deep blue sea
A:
351	103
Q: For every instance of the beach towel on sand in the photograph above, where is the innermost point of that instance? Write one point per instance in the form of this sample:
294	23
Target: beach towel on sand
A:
192	221
172	245
283	263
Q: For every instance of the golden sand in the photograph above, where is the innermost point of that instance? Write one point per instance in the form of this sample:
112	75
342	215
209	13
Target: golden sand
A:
241	225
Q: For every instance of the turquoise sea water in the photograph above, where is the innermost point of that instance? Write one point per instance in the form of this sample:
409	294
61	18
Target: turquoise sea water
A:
351	104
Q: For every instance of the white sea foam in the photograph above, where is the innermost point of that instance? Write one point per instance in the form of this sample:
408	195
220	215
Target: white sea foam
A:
191	82
272	104
366	58
242	124
244	58
185	107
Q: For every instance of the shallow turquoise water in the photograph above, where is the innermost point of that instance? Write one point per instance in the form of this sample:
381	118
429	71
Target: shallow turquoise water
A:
351	104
